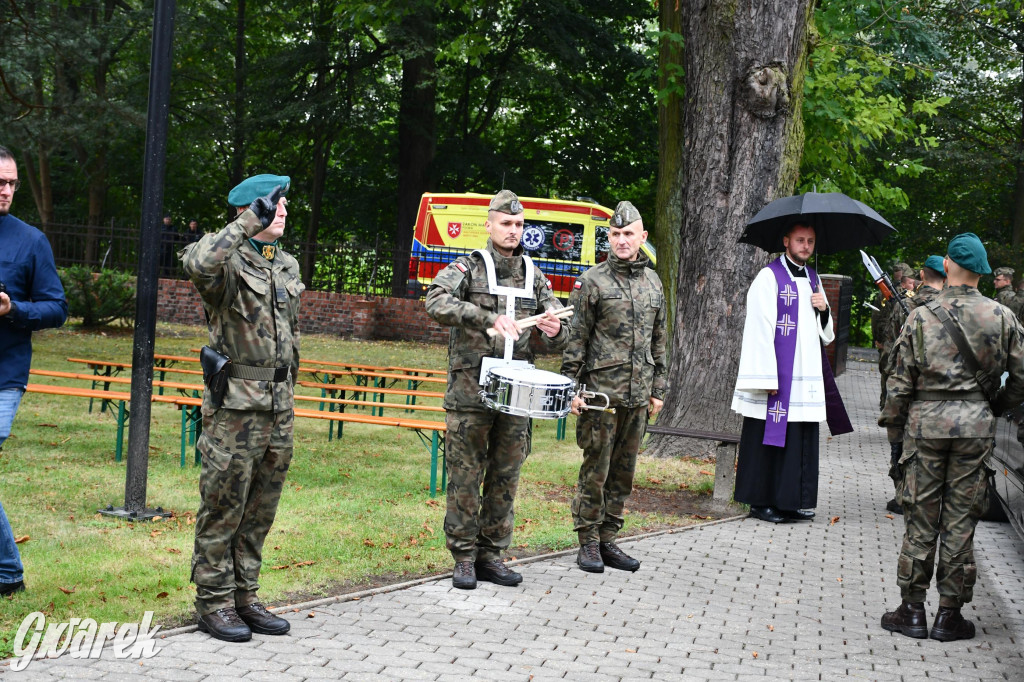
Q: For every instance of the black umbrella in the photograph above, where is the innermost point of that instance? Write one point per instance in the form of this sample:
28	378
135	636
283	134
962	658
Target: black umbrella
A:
840	223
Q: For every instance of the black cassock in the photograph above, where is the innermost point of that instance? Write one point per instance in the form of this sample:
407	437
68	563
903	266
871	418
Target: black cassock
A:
769	476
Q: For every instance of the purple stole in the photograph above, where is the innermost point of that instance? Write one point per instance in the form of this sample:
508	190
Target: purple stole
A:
786	319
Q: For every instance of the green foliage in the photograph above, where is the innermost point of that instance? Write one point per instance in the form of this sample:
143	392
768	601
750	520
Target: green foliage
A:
99	298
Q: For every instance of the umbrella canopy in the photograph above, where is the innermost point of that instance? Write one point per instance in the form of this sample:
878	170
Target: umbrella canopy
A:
840	223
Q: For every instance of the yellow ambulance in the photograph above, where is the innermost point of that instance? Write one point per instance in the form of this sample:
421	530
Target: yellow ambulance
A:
564	238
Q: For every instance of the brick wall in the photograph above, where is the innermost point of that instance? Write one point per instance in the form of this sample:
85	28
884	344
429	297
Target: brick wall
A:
322	312
838	290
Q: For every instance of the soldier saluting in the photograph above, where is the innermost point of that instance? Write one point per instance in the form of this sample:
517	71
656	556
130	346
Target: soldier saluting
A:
616	346
250	290
950	355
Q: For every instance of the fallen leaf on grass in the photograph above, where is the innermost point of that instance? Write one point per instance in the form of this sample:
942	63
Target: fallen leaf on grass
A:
162	595
172	550
706	473
834	521
155	533
655	481
21	539
65	590
432	503
52	426
698	516
369	543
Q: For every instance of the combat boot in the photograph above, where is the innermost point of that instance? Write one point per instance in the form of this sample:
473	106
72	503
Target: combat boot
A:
909	619
495	571
464	576
616	558
262	621
226	625
589	558
950	625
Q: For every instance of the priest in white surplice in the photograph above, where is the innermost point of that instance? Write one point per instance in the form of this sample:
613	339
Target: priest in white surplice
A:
782	384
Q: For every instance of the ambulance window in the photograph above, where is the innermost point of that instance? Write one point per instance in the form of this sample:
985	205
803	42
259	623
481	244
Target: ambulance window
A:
554	240
601	243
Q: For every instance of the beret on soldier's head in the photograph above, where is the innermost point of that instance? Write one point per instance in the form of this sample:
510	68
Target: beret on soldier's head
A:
967	251
506	201
904	269
1005	271
625	214
935	263
251	189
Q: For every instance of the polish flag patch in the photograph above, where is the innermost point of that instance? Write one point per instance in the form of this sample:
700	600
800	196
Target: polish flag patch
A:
549	283
577	285
460	266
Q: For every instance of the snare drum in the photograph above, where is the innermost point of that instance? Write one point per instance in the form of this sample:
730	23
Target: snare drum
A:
528	392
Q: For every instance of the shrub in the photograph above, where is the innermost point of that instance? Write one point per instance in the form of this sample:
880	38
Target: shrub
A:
99	298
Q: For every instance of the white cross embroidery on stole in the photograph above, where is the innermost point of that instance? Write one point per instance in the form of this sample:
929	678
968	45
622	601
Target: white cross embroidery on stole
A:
786	324
777	412
788	294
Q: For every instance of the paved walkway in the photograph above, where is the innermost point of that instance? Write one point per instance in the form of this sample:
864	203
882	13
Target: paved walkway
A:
727	601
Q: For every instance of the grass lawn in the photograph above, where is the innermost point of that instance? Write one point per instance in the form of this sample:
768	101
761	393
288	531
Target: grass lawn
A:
355	511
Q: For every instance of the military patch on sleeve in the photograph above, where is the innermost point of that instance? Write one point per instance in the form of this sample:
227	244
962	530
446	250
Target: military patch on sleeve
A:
549	283
577	285
462	268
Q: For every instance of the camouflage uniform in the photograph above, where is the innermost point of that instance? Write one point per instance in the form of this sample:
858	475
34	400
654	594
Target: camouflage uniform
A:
252	305
483	445
948	440
616	346
882	327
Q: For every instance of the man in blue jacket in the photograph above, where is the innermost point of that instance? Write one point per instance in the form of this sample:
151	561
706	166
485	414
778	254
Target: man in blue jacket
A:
31	298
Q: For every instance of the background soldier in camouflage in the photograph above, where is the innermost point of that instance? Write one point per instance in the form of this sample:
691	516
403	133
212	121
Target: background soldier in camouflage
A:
933	279
616	346
1003	281
483	446
881	327
949	428
250	291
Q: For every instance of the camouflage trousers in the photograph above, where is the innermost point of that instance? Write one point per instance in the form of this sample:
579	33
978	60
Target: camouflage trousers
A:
883	369
610	443
245	459
488	449
944	493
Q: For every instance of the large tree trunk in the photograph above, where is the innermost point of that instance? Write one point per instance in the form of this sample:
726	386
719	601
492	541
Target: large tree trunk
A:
743	137
666	235
417	135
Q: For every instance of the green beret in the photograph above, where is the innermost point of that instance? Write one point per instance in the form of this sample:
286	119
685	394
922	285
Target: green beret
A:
904	269
625	214
1006	272
251	189
506	201
935	263
967	251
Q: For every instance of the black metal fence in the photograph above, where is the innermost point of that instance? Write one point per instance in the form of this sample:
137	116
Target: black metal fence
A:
344	267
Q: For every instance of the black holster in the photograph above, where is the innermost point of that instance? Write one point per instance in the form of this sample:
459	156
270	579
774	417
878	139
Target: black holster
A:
895	452
215	374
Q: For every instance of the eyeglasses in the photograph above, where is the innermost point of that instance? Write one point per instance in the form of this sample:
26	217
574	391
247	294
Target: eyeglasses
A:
15	184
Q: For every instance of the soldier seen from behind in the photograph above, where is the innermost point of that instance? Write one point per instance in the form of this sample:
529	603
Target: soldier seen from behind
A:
617	347
933	279
250	290
944	398
483	446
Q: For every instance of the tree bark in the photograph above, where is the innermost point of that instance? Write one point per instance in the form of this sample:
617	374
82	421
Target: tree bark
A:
417	135
238	114
742	140
666	235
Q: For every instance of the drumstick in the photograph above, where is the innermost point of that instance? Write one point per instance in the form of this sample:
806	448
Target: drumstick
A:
526	322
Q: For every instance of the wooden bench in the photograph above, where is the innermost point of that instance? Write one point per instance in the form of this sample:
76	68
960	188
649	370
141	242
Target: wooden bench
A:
191	418
725	458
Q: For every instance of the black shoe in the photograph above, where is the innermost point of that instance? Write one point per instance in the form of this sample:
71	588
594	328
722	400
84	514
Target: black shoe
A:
226	625
495	571
796	514
950	625
7	589
893	506
262	621
616	558
909	619
589	558
464	576
769	514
